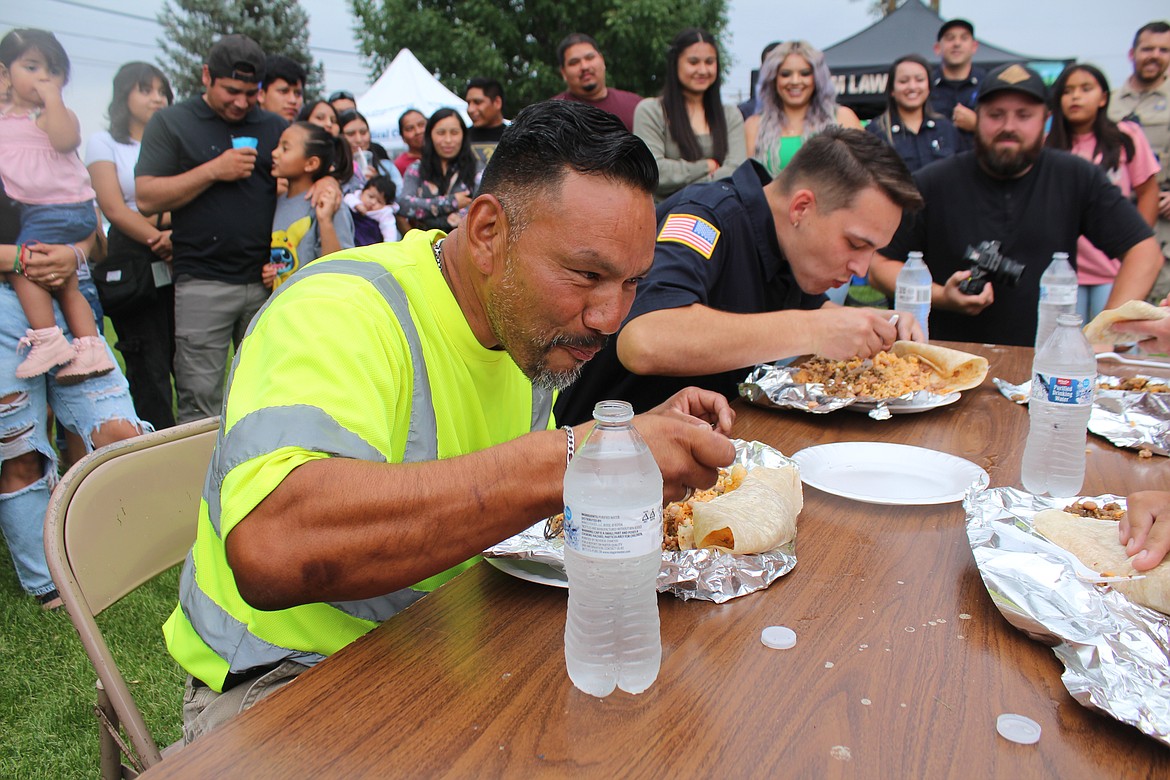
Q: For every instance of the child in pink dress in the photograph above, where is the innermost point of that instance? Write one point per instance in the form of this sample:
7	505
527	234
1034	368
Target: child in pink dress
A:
41	171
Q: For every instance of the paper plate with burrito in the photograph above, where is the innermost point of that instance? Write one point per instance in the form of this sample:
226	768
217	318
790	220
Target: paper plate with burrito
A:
1101	329
911	377
726	541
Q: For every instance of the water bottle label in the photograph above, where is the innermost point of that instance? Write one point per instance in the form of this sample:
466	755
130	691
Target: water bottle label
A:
1058	294
619	534
1062	390
912	296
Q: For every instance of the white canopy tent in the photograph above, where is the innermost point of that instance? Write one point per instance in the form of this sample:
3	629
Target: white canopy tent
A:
405	84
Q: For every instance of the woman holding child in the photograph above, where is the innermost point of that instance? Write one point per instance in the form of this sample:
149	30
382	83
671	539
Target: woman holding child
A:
97	408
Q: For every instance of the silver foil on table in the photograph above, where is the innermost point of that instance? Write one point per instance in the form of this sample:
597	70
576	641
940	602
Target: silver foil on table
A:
1116	653
773	387
709	575
1127	418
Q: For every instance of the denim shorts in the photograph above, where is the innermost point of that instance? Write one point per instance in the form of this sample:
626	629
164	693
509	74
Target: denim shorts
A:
57	223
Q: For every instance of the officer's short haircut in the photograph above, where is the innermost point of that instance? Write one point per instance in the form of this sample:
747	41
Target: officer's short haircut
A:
1156	28
572	39
547	140
491	88
277	66
839	162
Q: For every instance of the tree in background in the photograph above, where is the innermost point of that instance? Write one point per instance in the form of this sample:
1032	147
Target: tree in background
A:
515	41
191	27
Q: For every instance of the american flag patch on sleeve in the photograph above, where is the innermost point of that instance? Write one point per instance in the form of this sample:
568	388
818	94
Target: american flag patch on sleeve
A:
689	230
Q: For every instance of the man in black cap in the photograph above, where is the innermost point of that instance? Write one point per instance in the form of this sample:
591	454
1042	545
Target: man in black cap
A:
1035	201
208	161
955	81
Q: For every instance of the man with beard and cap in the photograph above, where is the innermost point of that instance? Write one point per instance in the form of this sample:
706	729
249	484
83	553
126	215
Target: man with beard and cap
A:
583	69
1035	201
1145	98
388	415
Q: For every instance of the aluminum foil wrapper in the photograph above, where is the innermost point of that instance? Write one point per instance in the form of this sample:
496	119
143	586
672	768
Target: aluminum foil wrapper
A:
772	386
709	575
1136	420
1116	653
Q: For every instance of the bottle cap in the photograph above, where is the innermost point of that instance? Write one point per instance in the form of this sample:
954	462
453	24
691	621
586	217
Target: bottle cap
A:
1018	728
613	411
778	637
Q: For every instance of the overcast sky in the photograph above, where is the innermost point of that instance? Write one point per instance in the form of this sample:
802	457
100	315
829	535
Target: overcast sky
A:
100	35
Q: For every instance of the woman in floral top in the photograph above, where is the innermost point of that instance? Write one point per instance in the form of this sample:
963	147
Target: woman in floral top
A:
437	188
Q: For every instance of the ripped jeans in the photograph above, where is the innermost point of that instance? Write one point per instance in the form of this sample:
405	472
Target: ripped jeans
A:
81	408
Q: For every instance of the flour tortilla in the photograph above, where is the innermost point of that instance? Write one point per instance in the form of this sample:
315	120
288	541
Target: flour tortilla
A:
1101	330
1095	543
758	516
956	370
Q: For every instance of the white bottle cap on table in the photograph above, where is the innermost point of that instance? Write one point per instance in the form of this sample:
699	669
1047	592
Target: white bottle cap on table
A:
1018	729
778	637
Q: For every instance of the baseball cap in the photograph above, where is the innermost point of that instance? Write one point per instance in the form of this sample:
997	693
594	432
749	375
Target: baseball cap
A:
236	57
955	23
1013	77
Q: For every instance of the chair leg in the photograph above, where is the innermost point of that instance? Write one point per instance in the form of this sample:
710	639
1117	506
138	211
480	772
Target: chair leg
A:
111	755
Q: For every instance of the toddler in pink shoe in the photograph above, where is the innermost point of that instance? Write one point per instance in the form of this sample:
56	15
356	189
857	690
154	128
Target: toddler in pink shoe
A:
41	171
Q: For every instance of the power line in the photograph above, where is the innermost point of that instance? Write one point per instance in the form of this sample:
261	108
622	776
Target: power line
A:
99	9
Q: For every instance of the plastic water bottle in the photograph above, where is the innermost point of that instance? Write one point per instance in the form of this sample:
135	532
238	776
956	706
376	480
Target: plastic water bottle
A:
1058	295
1063	375
912	292
613	551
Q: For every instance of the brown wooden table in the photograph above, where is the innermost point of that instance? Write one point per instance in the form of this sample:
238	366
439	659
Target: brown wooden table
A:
901	666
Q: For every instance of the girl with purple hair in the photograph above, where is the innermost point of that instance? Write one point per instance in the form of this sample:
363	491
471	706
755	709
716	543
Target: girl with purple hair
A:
798	100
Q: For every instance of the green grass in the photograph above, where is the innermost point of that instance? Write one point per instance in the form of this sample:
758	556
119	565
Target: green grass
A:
47	725
47	684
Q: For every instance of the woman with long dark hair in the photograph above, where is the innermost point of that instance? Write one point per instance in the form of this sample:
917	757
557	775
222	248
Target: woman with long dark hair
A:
145	327
917	132
1081	125
797	100
438	187
693	136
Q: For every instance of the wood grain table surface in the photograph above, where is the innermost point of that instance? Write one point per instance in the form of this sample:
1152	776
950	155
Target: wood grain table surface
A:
901	667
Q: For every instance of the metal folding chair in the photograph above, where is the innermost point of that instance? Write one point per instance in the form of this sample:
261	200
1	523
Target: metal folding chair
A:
121	516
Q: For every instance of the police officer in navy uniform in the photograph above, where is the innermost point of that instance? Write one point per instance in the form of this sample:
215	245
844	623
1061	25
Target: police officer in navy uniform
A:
740	270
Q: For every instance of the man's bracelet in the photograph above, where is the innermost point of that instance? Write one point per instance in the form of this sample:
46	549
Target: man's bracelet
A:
570	444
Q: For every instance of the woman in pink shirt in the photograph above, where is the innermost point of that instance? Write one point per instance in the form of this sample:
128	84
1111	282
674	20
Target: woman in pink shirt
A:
1080	125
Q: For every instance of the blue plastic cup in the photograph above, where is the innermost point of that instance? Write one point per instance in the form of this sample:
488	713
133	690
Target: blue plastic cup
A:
244	142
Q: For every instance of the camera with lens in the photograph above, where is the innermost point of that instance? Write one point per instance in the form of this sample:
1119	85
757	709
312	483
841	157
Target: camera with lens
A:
988	264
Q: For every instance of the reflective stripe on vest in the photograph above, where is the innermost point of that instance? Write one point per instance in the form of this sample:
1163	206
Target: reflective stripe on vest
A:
266	430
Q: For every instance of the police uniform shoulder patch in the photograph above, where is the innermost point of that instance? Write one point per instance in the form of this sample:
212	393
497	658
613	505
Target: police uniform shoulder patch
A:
689	230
